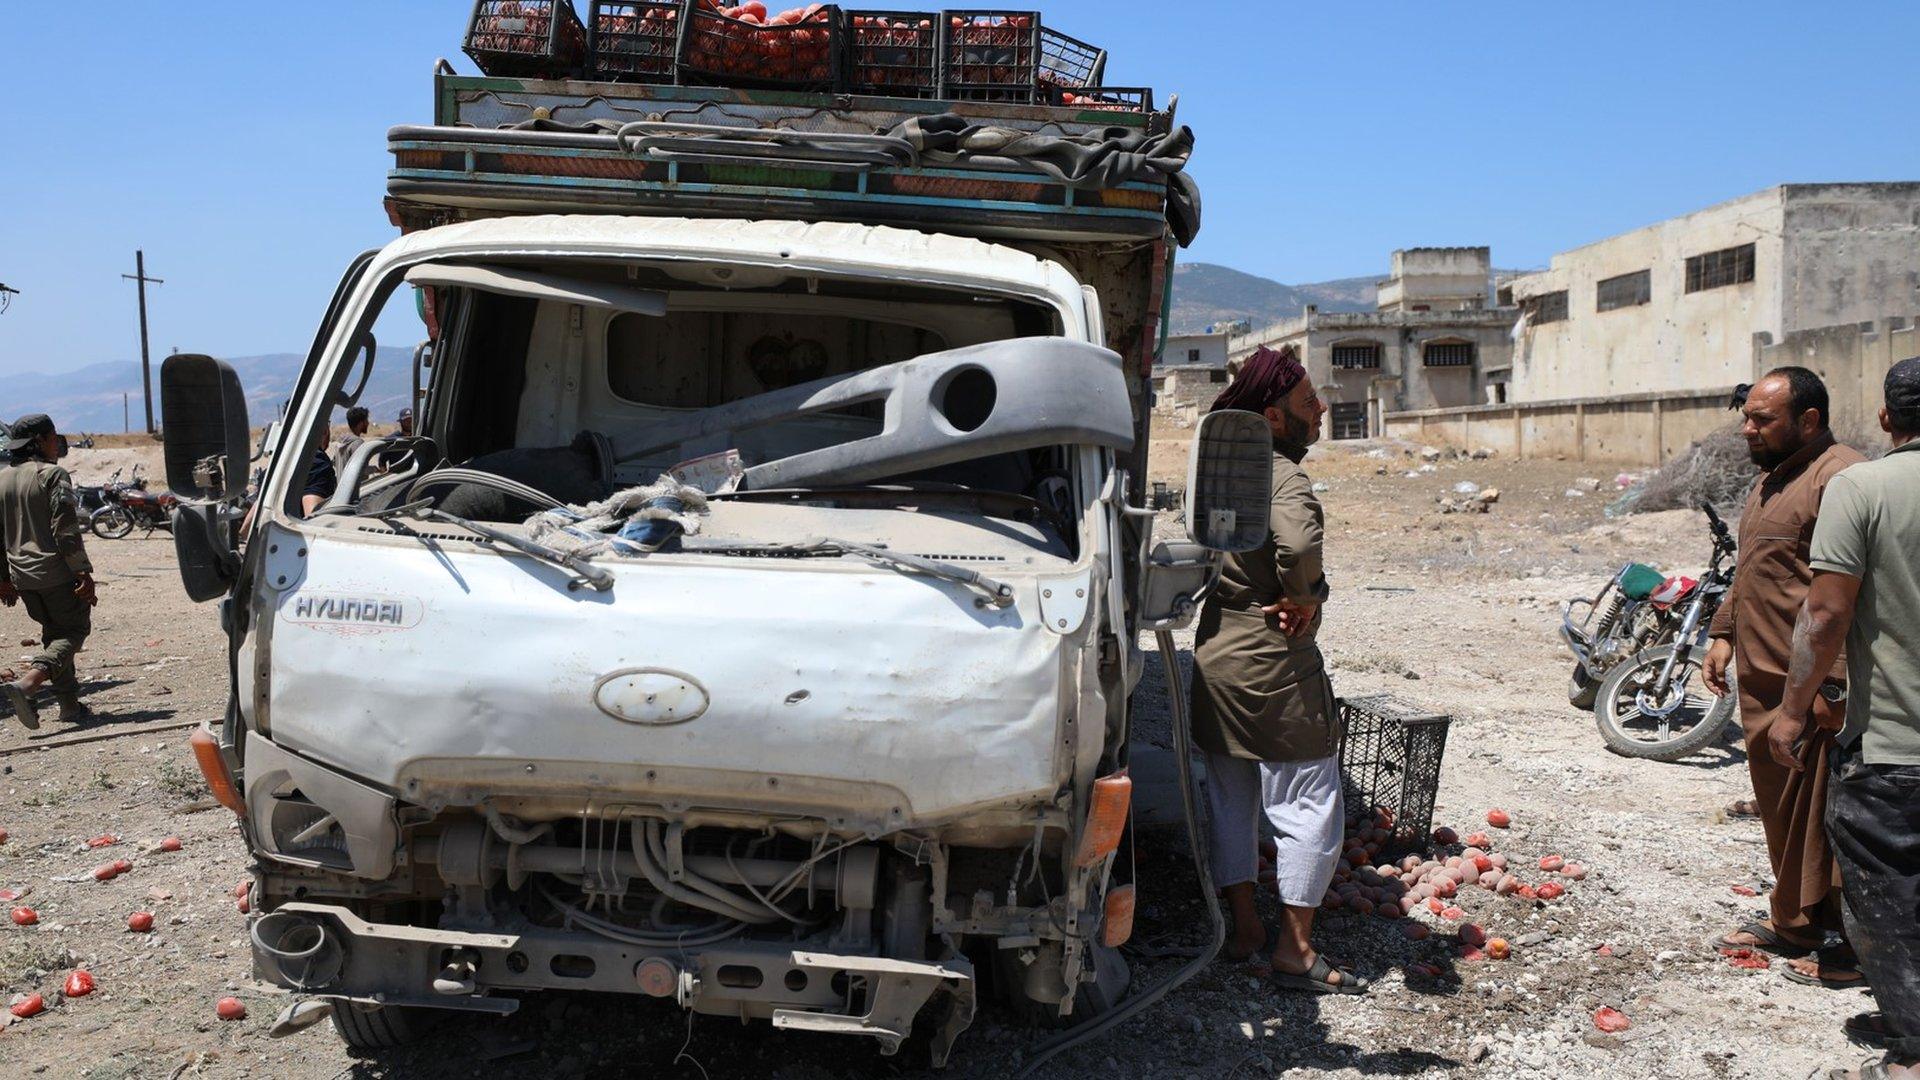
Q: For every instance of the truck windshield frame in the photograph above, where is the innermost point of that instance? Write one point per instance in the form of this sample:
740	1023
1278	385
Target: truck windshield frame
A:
328	370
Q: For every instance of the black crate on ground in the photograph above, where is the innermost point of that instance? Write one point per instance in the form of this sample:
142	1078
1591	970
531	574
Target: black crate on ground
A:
1390	760
1068	61
633	42
990	55
894	53
1138	99
533	38
807	56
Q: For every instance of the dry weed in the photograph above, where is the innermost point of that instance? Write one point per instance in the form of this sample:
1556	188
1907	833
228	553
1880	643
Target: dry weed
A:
1715	469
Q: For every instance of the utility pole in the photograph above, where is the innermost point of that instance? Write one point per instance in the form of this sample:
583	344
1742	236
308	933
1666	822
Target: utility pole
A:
139	277
126	421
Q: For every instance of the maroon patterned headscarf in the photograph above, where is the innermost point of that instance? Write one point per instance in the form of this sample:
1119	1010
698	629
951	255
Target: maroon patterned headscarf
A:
1265	378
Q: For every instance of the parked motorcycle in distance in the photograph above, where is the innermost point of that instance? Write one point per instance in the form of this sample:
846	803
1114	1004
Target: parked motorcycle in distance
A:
1640	645
92	497
130	504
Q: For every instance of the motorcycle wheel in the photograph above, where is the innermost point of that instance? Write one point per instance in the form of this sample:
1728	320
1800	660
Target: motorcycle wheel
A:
1582	689
1689	727
110	522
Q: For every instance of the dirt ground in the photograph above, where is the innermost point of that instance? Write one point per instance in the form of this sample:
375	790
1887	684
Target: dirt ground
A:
1452	612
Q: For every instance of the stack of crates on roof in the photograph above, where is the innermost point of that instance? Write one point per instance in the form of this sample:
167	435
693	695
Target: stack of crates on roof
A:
1009	57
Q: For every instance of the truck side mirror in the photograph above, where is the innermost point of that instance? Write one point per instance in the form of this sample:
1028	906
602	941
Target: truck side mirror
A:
1230	481
204	414
203	549
1176	578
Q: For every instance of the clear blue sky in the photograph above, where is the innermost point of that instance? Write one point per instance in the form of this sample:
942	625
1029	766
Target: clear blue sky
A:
241	144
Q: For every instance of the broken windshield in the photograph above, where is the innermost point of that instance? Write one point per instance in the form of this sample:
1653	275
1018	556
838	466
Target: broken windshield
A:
581	378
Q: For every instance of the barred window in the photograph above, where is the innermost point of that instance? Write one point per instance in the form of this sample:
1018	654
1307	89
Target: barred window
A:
1447	354
1545	308
1728	266
1365	354
1627	290
1349	419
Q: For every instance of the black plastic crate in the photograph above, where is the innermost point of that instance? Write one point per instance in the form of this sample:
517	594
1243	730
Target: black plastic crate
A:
1138	99
806	56
633	42
1390	761
893	53
531	38
1068	61
990	55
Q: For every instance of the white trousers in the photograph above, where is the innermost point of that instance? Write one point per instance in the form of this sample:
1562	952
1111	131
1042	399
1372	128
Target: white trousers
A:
1300	799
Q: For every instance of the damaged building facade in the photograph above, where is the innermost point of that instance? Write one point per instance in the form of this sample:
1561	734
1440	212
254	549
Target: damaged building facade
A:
1677	306
1437	339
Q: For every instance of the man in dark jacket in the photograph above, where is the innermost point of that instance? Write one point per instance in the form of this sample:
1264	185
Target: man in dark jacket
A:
44	566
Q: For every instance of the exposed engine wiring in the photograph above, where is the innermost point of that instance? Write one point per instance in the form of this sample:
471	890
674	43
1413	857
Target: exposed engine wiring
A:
511	830
711	934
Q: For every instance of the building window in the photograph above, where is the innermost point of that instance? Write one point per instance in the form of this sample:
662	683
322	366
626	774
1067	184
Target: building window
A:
1193	356
1216	376
1447	354
1365	354
1349	419
1728	266
1627	290
1545	308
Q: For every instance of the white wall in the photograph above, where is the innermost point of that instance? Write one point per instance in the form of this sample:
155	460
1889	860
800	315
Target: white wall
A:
1209	349
1679	340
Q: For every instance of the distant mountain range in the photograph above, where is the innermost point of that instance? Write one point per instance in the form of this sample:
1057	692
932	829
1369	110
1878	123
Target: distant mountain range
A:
1205	294
90	399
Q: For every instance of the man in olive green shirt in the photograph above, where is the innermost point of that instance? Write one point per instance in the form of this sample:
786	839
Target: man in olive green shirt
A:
1865	557
43	564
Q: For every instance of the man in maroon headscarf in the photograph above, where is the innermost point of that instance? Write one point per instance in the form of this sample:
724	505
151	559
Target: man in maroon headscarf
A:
1262	706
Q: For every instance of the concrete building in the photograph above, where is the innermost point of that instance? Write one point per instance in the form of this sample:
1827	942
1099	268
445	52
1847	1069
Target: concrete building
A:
1436	340
1188	388
1196	350
1676	306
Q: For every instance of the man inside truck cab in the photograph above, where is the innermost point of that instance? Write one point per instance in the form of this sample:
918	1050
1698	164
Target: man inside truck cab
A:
322	478
1263	709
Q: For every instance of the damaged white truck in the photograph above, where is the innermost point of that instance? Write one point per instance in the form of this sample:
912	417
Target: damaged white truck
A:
750	620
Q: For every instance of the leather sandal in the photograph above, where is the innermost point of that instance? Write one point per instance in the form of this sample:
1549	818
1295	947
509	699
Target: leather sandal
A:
1316	979
1766	939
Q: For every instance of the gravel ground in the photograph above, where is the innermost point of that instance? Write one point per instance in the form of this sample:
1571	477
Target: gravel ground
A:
1453	612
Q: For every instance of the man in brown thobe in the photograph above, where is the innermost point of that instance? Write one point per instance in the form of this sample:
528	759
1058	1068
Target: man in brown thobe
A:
1788	437
1263	709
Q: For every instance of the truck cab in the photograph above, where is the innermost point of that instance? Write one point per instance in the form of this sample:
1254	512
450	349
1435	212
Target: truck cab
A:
749	620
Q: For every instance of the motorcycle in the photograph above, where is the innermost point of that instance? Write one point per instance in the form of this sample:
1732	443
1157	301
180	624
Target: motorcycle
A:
92	497
1640	644
129	504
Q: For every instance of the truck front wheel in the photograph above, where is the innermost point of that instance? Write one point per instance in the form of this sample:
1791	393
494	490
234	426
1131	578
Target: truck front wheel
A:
379	1027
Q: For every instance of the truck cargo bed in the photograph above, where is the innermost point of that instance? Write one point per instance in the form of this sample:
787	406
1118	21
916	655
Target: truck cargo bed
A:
505	146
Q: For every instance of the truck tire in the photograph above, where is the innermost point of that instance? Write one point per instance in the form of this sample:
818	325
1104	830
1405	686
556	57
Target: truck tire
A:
1582	689
380	1027
1693	726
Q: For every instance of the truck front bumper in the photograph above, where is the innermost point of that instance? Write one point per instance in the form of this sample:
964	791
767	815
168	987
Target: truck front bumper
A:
330	953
